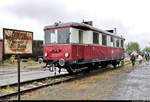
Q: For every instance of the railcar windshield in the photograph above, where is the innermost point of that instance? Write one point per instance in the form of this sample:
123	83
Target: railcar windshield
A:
60	36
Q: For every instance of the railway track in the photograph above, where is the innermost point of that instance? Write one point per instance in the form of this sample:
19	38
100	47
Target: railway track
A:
28	85
32	85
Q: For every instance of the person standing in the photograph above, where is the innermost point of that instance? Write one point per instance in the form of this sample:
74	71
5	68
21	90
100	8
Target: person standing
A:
132	59
140	58
147	57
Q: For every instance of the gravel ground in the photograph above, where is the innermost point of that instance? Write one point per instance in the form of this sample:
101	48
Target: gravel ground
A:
119	84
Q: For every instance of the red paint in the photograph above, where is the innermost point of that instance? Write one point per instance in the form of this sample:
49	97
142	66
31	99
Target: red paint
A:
48	29
81	51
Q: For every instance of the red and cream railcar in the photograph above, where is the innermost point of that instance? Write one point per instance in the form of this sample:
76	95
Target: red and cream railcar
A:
77	45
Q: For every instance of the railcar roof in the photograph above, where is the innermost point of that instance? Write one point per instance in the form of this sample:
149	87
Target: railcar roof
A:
81	25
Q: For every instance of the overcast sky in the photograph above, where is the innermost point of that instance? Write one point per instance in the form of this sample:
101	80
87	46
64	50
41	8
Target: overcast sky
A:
130	17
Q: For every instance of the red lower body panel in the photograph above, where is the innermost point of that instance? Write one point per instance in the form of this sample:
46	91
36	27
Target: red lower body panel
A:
77	51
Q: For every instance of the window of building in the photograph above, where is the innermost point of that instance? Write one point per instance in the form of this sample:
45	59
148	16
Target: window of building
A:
95	38
104	40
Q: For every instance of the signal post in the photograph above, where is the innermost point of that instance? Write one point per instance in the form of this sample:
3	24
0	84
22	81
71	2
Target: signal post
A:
17	42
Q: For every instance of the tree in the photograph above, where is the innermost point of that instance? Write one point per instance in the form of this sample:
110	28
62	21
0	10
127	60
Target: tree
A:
146	49
133	46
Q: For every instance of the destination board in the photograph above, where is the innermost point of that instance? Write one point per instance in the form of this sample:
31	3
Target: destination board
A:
17	41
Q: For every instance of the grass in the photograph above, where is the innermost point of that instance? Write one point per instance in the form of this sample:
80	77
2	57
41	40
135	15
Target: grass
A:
35	83
48	80
8	86
8	89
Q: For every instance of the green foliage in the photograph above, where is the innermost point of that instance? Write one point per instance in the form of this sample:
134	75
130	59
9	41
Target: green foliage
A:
146	49
5	61
133	46
35	82
49	80
8	86
122	63
24	66
12	59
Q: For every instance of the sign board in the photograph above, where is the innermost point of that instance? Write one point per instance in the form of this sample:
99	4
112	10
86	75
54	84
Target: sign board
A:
17	41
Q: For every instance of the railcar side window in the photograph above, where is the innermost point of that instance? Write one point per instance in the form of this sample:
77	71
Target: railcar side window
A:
112	41
80	36
122	43
63	36
104	40
95	38
117	42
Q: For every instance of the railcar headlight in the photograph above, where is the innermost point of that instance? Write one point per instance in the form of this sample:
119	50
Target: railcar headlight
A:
45	54
66	54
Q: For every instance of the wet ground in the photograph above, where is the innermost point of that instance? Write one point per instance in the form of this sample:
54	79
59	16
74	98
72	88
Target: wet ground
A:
120	84
9	75
134	85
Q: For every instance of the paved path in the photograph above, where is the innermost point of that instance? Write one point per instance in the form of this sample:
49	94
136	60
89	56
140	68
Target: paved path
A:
135	85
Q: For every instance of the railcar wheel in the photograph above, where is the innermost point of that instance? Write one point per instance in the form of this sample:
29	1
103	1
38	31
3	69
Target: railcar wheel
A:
103	65
90	67
114	65
96	65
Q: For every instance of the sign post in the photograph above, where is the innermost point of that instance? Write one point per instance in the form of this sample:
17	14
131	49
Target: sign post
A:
17	42
18	56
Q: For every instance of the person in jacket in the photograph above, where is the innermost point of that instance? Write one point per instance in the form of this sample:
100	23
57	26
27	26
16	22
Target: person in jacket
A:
132	59
140	59
147	58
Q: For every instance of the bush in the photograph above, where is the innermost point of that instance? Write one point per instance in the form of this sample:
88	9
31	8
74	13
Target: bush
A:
12	59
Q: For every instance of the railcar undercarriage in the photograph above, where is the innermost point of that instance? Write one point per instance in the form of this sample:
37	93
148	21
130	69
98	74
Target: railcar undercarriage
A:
74	68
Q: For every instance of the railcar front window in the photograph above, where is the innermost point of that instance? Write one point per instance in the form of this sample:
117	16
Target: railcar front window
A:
61	36
50	37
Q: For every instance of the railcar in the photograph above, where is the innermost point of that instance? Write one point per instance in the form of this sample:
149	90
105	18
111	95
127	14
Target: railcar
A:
77	46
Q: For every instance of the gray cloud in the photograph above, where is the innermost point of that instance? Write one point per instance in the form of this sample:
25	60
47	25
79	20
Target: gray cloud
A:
50	11
114	23
44	11
47	12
